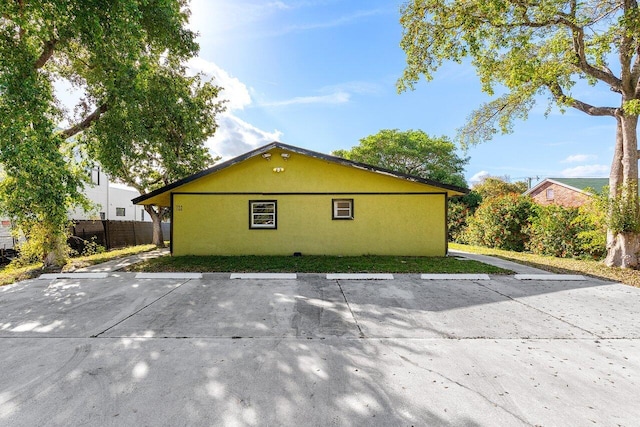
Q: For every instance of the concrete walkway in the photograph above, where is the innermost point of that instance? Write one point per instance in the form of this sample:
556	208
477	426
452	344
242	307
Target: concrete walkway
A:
498	262
120	263
310	351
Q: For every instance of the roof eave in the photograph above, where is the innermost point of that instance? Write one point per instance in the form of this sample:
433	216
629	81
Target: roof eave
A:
294	149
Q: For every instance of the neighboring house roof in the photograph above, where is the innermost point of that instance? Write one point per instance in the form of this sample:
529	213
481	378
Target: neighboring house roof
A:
326	157
577	184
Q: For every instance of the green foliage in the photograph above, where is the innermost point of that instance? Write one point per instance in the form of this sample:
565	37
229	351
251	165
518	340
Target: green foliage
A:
516	223
553	231
527	48
458	212
591	224
40	243
412	152
157	135
532	49
501	223
90	247
567	232
624	216
100	48
493	187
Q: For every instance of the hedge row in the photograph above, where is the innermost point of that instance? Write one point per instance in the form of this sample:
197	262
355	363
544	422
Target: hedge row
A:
515	222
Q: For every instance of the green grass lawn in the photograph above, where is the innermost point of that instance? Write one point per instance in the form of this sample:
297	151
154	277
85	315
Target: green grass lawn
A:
11	273
315	264
559	265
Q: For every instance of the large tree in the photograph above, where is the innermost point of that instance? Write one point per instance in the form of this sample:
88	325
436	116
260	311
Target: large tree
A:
412	152
536	48
492	187
157	134
96	46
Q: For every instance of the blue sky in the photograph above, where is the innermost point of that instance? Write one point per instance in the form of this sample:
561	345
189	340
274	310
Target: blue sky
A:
321	74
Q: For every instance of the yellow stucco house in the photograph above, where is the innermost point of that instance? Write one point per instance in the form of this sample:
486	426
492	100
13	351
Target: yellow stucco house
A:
281	200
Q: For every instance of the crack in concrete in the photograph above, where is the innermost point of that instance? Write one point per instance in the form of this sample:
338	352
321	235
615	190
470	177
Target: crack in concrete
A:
459	384
350	310
138	311
540	311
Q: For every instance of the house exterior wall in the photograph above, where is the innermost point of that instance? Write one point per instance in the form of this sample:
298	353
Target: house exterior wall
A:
108	199
561	196
392	216
382	225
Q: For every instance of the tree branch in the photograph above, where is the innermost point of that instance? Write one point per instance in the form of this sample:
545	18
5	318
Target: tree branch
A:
604	75
589	109
568	21
47	52
73	130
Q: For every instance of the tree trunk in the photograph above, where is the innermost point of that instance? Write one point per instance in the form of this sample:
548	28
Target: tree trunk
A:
623	251
56	256
623	247
156	217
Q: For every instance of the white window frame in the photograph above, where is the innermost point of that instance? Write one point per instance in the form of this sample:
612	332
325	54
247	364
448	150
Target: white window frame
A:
256	224
550	194
338	212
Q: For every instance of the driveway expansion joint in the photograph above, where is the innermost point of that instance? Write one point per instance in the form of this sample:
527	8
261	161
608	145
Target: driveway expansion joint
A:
361	333
540	311
138	311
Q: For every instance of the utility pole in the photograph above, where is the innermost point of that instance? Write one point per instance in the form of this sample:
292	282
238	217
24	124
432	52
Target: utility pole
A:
529	179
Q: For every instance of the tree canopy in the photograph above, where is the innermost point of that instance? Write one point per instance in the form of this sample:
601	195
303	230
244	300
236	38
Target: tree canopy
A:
527	50
157	134
492	187
412	152
99	48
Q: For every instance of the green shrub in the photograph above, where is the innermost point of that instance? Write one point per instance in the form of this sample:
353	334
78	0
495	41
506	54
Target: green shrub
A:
458	213
568	232
624	215
591	223
553	231
500	222
41	242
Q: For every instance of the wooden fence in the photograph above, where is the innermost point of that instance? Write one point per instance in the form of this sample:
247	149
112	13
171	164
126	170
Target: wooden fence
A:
117	234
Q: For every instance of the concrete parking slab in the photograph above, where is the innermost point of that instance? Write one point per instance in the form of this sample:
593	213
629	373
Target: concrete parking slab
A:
414	308
74	307
220	307
606	310
293	382
311	351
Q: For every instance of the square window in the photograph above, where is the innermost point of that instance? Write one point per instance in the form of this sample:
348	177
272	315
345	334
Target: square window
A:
262	214
120	212
549	193
342	209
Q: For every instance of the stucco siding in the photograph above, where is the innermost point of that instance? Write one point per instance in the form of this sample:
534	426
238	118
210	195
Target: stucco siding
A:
298	174
383	224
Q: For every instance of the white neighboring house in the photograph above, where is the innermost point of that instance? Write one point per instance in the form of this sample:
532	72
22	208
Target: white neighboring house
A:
113	201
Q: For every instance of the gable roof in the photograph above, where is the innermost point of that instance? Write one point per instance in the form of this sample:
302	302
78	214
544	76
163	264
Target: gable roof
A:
577	184
321	156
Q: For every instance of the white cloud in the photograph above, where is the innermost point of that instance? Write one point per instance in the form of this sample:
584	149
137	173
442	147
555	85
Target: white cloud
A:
586	171
234	137
234	91
338	97
336	22
577	158
479	177
359	87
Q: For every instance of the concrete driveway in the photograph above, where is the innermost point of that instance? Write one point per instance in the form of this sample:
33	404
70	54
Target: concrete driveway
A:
315	352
